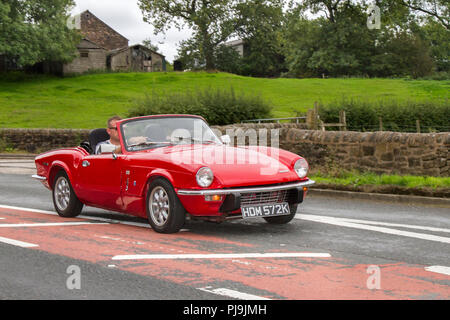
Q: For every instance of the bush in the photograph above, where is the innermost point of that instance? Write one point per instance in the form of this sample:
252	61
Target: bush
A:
217	106
396	116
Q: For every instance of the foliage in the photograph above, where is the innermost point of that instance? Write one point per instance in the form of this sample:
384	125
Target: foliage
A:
259	24
356	178
395	115
217	106
212	22
33	31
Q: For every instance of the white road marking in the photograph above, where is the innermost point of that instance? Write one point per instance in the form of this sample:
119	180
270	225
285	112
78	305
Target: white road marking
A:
49	224
18	243
387	224
28	209
439	269
136	224
224	256
232	293
345	223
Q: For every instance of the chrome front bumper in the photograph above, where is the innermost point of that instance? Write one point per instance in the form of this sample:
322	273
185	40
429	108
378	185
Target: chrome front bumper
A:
190	192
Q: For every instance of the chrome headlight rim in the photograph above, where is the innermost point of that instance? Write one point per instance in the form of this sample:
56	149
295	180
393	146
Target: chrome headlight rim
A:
204	177
301	168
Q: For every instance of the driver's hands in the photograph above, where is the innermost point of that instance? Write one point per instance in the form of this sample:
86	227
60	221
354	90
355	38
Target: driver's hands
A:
137	140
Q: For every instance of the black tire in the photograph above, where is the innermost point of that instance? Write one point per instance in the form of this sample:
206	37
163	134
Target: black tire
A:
283	219
65	200
165	213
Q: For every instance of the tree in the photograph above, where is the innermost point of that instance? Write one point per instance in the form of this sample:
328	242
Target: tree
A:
437	9
150	45
336	44
212	21
260	24
33	31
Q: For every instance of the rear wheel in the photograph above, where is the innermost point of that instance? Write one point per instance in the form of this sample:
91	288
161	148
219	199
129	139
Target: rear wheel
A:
165	212
283	219
65	200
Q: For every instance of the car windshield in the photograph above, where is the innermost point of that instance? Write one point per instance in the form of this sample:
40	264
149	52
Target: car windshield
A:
146	133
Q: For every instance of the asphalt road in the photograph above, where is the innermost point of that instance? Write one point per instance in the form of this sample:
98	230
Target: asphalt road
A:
334	249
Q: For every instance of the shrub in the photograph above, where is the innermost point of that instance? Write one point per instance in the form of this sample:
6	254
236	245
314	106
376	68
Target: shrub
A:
217	106
396	116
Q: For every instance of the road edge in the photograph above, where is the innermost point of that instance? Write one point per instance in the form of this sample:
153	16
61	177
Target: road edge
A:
380	197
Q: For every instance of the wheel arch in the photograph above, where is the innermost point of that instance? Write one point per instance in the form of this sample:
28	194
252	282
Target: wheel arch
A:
56	167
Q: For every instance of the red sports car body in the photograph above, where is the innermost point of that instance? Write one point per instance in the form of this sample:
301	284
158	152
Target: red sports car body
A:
173	166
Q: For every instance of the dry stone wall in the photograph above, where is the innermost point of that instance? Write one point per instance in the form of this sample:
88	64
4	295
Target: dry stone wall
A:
380	152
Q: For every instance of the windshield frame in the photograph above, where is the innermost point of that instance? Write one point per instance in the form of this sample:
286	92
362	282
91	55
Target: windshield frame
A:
126	147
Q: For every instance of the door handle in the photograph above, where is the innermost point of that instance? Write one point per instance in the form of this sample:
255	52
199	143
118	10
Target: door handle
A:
85	163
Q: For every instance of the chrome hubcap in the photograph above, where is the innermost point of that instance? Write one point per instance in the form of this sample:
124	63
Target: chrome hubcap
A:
159	206
62	193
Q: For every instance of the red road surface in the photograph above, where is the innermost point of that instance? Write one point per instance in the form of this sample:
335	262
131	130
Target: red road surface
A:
273	278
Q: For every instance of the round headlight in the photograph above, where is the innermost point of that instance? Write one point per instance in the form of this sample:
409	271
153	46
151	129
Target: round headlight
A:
301	167
204	177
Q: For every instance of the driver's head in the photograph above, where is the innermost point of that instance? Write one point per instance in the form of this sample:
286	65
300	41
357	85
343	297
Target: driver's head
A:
112	129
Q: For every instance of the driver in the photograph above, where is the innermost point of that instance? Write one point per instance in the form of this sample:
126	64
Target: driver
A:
113	136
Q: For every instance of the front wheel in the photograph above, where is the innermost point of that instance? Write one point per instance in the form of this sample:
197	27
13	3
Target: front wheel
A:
165	212
65	200
283	219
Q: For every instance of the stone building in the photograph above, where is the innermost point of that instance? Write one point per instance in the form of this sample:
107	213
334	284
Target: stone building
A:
99	32
237	45
103	48
90	57
135	58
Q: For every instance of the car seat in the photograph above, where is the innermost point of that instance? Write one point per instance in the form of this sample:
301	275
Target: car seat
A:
96	136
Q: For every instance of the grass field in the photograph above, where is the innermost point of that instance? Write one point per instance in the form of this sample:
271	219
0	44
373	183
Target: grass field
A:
87	101
369	178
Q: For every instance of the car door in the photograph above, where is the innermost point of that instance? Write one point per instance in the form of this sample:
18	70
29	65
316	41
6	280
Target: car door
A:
99	180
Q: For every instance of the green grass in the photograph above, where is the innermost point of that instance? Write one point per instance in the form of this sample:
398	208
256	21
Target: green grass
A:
87	101
368	178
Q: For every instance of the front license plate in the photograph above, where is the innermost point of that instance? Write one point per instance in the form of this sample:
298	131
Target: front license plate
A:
265	210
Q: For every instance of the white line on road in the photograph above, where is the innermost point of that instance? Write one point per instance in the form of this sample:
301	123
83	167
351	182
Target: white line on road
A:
344	223
135	224
28	209
49	224
224	256
18	243
439	269
232	294
387	224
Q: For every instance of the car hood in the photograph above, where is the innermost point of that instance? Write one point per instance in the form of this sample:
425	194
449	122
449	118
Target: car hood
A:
232	166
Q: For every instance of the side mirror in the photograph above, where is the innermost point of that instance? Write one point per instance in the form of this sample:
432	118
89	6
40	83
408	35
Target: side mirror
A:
225	139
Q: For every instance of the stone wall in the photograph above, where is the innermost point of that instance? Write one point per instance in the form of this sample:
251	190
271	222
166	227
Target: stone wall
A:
40	140
95	60
380	152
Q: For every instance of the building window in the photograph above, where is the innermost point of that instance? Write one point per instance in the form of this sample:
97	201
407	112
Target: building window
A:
84	54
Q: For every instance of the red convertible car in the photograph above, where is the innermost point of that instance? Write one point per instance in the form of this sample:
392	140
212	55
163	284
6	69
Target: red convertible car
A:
172	167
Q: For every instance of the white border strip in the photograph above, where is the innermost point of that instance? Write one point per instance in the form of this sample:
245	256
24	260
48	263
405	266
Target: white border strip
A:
18	243
232	293
49	224
27	209
224	256
135	224
439	269
344	223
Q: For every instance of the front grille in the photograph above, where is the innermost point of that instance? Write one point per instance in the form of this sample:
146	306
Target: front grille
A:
263	197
